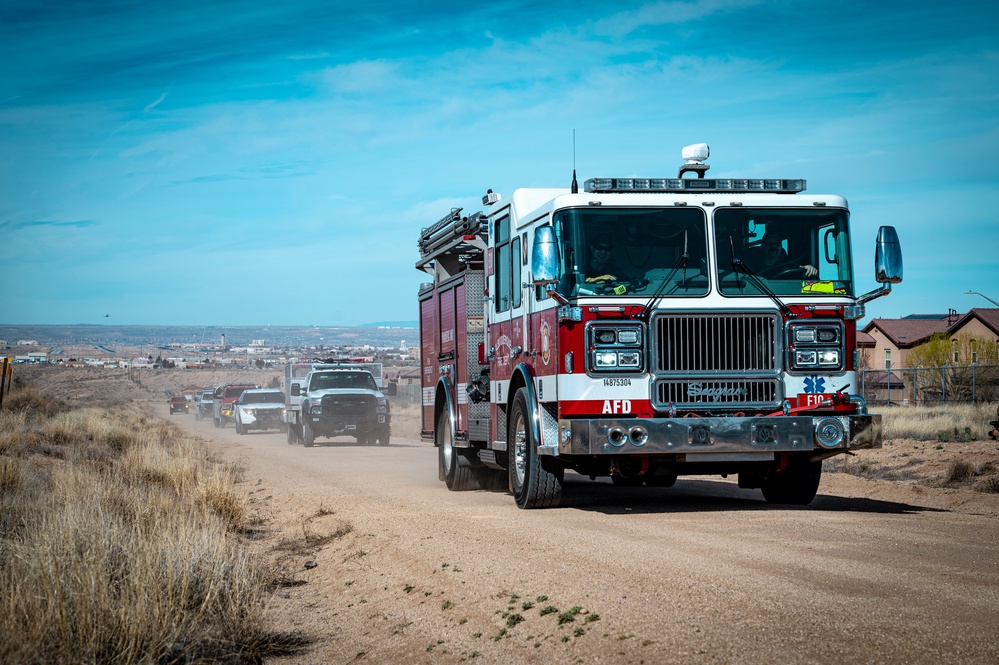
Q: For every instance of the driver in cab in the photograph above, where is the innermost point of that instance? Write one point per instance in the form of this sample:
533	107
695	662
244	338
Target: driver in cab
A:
598	268
773	261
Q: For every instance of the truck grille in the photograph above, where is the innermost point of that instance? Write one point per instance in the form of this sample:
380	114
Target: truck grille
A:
718	392
348	405
717	360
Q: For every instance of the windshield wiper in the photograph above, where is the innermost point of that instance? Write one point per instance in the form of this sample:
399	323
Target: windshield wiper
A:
739	266
661	288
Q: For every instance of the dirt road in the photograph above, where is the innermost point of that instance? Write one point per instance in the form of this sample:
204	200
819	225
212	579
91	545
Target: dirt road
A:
702	572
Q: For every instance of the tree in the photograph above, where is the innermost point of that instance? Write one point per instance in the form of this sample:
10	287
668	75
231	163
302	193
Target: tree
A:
964	366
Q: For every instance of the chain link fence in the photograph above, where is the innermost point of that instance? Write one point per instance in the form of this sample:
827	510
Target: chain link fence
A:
930	385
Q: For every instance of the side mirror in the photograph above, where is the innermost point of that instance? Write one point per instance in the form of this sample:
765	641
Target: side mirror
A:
888	257
296	390
544	257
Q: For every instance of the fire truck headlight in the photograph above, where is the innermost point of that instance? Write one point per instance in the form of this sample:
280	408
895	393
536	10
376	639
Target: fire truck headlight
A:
804	334
628	336
604	336
629	359
805	358
605	359
829	357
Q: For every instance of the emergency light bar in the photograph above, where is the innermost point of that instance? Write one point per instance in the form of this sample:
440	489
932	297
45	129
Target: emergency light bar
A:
741	185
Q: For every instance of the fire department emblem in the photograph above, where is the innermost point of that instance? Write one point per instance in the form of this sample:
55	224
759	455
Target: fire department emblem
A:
546	343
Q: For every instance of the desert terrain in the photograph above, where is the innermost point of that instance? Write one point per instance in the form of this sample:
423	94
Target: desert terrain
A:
373	560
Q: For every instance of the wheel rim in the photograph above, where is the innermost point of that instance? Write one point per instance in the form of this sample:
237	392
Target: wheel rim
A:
519	448
446	448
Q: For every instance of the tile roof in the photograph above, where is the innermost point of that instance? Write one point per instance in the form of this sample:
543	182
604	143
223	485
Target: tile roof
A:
863	339
987	315
906	333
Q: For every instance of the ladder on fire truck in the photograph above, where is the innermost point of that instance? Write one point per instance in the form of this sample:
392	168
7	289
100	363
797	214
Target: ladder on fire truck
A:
453	241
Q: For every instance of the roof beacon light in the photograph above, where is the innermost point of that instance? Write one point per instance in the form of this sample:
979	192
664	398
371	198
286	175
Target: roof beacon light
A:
696	154
693	158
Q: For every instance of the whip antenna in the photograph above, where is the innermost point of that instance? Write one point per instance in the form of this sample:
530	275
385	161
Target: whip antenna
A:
575	185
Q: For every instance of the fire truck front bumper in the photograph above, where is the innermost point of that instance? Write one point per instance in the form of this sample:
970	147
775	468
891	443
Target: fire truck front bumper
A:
728	435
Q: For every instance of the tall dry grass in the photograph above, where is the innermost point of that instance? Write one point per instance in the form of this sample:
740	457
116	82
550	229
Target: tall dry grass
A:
118	542
946	422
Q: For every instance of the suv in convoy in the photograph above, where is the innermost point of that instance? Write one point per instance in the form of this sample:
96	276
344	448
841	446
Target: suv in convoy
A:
259	409
178	403
204	404
223	397
343	402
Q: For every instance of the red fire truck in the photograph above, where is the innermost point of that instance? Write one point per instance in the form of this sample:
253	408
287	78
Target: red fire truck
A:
644	329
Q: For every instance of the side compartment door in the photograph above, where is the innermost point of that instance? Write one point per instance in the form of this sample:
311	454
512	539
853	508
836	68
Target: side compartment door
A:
428	355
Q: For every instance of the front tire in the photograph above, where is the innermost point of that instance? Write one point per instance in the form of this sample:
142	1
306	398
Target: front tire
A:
293	438
240	429
796	485
536	481
308	436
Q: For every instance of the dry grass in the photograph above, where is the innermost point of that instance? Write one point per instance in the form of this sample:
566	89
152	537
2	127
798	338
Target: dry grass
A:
117	542
948	422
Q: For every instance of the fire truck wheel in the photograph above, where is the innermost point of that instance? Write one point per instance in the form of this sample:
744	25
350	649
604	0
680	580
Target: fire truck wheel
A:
308	436
457	478
796	485
536	481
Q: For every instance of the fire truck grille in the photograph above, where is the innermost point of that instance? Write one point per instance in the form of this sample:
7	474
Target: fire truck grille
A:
717	360
695	343
348	405
742	393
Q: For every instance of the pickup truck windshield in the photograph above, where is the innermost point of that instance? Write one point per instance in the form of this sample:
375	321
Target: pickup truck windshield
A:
793	252
632	251
355	380
262	398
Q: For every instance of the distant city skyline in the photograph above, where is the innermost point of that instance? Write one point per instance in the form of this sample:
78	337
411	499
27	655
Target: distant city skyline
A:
253	163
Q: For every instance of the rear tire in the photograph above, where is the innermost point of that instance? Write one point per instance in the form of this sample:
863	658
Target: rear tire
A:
796	485
536	481
308	436
457	478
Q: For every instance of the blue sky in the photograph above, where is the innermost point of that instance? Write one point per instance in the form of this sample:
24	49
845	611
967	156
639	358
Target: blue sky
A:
272	163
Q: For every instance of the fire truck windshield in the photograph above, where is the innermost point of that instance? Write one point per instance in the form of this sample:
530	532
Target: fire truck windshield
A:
791	251
632	251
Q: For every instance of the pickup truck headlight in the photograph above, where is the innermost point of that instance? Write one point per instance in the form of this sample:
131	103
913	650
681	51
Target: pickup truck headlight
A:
316	409
247	411
383	406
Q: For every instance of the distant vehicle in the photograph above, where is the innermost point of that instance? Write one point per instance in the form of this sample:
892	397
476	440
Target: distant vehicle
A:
343	402
259	409
204	402
222	400
178	403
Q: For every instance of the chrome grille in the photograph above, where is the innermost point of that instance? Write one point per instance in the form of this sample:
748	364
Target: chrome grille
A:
698	343
742	393
710	361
